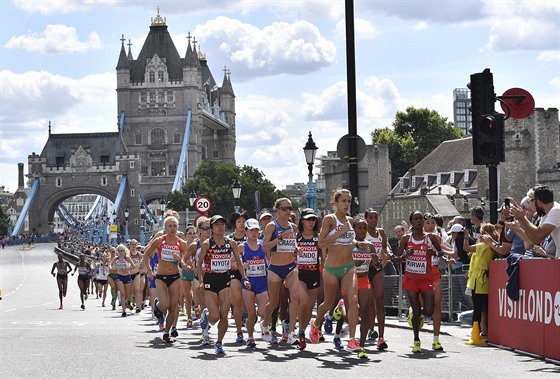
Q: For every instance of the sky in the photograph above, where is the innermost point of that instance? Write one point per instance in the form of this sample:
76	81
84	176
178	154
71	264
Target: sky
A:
287	61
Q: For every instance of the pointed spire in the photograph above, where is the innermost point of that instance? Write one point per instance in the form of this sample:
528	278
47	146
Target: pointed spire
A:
123	58
191	58
226	84
130	57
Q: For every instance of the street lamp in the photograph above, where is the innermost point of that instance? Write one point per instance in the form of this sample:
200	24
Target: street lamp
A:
104	221
236	189
310	149
142	212
96	230
126	214
115	220
192	199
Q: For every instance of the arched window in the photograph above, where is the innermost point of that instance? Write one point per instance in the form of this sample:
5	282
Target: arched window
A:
158	136
152	77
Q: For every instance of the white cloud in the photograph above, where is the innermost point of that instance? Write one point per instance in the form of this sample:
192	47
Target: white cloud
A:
420	25
296	48
528	24
549	56
55	39
363	29
555	83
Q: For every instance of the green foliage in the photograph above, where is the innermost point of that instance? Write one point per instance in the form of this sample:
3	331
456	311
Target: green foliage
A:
415	133
3	222
213	179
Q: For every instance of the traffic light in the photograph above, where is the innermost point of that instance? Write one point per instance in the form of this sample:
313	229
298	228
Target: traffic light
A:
488	147
487	126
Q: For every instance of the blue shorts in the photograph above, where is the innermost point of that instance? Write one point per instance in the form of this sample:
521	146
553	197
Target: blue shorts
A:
282	271
125	279
187	276
259	284
153	282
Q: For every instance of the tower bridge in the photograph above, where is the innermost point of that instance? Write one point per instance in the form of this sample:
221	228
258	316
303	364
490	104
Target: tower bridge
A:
172	115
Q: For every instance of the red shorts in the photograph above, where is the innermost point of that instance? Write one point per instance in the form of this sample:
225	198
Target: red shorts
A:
436	274
363	282
418	285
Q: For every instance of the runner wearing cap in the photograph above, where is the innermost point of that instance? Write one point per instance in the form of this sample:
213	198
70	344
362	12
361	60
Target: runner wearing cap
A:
254	262
216	253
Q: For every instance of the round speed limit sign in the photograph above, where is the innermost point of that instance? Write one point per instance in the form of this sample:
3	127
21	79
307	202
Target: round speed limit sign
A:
202	204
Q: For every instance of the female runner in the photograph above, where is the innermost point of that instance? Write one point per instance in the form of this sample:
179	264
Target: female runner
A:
280	241
84	270
123	263
136	275
62	270
102	275
338	235
216	254
169	248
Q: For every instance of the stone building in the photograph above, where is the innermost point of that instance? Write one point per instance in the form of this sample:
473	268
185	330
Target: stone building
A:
447	182
155	94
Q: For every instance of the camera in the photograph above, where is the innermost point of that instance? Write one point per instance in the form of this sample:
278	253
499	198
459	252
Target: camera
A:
506	202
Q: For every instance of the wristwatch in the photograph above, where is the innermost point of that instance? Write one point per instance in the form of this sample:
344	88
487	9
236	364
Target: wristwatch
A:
280	237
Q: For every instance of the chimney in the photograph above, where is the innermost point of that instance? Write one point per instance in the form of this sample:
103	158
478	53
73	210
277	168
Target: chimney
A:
20	176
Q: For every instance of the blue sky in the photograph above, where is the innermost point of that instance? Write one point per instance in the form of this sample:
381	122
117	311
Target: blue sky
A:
287	61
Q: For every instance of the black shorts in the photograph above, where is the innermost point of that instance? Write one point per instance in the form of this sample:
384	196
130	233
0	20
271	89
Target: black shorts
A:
133	276
216	282
235	274
83	278
311	278
102	281
168	279
372	272
63	277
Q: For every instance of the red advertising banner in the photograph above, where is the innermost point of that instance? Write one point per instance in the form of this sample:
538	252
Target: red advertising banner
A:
532	323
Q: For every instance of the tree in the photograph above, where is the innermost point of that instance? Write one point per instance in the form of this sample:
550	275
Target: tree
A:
213	179
4	219
415	133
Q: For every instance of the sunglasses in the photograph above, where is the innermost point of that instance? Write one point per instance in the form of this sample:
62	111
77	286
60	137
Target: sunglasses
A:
121	251
204	228
285	209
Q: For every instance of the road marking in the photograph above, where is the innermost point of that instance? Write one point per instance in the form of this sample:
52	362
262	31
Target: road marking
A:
11	310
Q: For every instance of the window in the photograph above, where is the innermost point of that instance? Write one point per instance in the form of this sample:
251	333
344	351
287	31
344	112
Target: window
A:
160	76
152	96
170	97
152	77
176	138
215	154
131	164
60	161
172	170
132	192
104	160
144	170
143	97
158	137
138	139
58	182
158	168
161	95
103	180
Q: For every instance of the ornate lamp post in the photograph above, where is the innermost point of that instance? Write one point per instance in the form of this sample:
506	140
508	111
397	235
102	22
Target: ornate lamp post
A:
142	212
126	214
104	220
192	199
310	149
236	189
96	231
162	207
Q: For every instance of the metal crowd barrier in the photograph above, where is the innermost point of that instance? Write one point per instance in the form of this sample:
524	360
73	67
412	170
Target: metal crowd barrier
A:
454	300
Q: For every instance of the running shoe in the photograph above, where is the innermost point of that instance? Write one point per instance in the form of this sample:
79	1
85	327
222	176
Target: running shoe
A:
83	306
189	324
161	326
302	344
103	305
123	314
274	337
314	332
293	339
174	332
436	345
138	310
328	324
484	337
85	296
60	306
196	313
337	342
130	305
285	331
251	343
182	313
266	335
381	344
239	338
362	354
218	348
372	335
417	347
157	312
204	319
166	337
410	314
205	341
321	336
113	306
339	310
352	345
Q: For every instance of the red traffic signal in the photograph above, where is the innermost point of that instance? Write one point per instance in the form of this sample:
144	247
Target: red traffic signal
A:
488	140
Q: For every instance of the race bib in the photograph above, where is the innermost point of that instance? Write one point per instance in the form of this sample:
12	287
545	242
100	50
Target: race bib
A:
287	245
415	267
256	268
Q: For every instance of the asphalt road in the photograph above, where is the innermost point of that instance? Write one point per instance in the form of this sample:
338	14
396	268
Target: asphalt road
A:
39	340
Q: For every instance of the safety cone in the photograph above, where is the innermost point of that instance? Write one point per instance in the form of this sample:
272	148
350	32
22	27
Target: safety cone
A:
475	336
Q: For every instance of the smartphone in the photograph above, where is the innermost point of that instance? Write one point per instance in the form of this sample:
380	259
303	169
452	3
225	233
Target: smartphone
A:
506	202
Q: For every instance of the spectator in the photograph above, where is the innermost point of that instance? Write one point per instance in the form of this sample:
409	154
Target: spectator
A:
549	210
477	216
